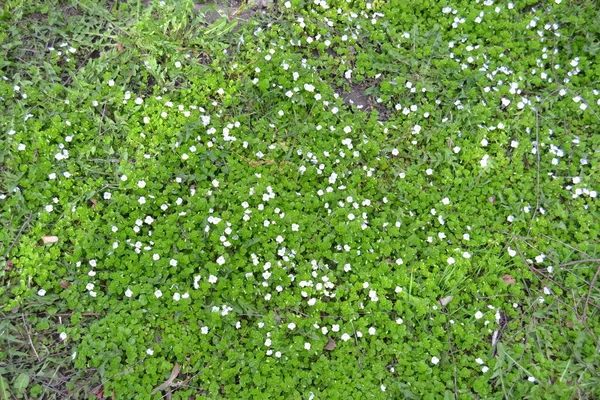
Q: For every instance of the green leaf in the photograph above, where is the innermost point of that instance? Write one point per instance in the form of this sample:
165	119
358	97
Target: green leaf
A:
21	382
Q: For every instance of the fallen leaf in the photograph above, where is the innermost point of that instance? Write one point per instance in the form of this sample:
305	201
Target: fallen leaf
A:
120	47
444	301
49	239
492	199
65	284
169	382
330	344
94	202
509	280
9	266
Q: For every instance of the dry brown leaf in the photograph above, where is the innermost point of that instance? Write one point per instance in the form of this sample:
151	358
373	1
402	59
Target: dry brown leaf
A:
444	301
49	239
169	382
330	344
509	280
9	266
120	47
65	284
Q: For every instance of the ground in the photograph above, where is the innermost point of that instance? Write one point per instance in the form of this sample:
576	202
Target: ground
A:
312	200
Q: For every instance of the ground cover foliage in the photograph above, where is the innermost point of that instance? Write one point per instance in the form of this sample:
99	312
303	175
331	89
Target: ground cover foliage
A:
321	200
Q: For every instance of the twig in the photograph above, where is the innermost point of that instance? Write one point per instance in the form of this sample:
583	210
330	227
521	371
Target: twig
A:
588	260
29	338
587	299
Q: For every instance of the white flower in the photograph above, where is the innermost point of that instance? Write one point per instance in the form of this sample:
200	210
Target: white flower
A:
307	346
287	4
335	328
295	227
156	257
345	337
177	64
445	201
141	184
511	252
351	217
212	279
215	183
41	292
291	326
451	260
123	178
49	208
128	293
479	361
478	315
173	263
111	83
466	254
149	352
514	144
435	360
429	171
176	296
21	147
484	161
312	302
372	331
531	379
484	142
309	88
221	260
139	101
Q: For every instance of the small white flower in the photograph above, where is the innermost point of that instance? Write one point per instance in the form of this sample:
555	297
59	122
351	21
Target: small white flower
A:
307	346
128	293
156	257
531	379
291	326
149	352
484	369
372	331
221	260
21	147
141	184
158	294
123	178
176	296
435	360
335	328
479	361
478	315
429	171
212	279
445	201
451	260
173	263
111	83
345	337
41	292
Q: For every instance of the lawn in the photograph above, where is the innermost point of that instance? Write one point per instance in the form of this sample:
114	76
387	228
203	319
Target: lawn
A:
328	199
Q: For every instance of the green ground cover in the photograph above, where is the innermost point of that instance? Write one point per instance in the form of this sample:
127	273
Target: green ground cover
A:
322	199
